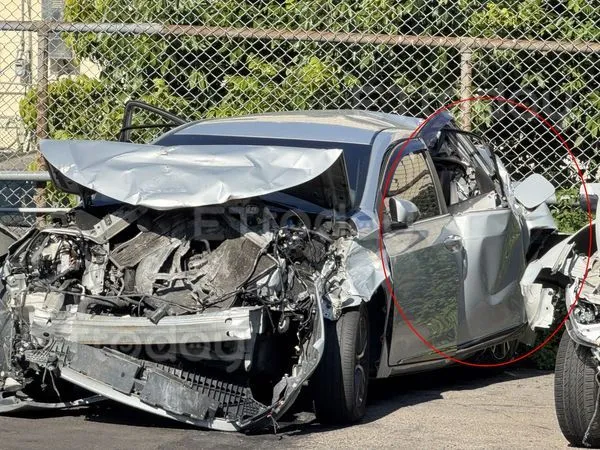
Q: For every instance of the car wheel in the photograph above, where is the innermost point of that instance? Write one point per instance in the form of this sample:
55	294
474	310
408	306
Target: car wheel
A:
341	380
576	393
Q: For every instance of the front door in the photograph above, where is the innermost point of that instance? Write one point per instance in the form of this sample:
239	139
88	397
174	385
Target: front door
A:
426	261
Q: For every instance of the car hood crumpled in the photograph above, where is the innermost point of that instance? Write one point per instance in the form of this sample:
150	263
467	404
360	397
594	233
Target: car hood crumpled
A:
161	177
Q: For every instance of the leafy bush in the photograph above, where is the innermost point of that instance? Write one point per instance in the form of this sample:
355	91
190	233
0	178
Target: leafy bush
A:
87	108
567	212
80	108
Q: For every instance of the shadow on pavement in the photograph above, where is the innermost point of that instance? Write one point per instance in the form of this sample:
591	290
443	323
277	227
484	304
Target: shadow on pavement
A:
391	394
385	397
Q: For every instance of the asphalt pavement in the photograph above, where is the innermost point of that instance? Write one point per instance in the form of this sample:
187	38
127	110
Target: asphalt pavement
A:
452	408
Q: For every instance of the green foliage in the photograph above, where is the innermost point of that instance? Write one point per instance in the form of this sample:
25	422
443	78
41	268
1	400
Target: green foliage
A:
86	108
196	77
81	108
567	212
303	87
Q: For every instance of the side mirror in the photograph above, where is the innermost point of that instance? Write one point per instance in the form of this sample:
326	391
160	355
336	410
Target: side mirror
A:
402	212
533	191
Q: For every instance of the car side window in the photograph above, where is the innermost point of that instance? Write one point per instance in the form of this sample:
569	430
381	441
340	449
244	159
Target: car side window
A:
413	181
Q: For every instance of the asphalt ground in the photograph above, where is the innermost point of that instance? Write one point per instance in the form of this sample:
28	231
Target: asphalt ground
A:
456	407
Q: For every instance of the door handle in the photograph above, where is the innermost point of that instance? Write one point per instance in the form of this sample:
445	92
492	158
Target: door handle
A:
453	243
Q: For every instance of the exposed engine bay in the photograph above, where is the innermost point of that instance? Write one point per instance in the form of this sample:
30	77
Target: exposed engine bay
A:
148	294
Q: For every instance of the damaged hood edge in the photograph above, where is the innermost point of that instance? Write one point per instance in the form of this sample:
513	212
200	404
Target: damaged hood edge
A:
162	177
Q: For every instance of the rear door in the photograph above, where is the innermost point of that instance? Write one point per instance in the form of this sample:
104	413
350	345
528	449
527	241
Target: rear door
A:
495	257
426	262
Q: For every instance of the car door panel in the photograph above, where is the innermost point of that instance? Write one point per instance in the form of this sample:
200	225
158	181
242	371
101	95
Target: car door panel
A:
492	237
456	276
495	257
426	265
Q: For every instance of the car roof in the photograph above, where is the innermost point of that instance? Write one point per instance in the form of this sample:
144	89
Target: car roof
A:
344	126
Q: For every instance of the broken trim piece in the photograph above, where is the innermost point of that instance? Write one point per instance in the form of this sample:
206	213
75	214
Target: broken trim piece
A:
108	392
30	405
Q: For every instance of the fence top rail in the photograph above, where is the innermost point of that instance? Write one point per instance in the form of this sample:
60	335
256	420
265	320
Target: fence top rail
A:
15	175
466	43
33	210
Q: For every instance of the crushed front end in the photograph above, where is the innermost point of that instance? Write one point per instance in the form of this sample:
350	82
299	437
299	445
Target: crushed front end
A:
210	316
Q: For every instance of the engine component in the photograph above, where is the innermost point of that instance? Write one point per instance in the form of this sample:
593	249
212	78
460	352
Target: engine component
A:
585	313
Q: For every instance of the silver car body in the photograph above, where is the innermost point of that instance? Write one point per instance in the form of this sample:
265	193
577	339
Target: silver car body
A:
457	275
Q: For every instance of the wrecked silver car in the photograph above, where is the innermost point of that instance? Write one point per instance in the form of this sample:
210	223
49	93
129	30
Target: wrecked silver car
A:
212	275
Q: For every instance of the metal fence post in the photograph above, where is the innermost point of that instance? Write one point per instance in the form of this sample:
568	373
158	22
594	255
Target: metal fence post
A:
466	81
41	130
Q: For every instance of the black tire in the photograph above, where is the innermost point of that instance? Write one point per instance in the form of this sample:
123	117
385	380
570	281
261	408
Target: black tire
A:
576	392
341	381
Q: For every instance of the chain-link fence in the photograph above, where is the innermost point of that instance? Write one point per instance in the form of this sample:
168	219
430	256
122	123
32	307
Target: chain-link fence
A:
67	67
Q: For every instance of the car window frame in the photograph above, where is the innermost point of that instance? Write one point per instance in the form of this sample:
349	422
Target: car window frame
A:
389	158
465	138
132	106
